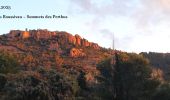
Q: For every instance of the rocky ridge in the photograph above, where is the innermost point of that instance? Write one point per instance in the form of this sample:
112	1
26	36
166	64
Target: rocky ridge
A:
37	48
45	34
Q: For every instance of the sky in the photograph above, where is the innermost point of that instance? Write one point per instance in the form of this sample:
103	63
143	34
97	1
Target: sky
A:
135	25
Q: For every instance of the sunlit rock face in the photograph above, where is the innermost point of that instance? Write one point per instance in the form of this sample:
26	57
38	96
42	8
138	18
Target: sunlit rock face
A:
74	52
63	37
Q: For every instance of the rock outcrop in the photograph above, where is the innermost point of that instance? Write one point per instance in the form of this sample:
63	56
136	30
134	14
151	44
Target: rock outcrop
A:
63	37
78	39
25	34
95	46
85	43
72	39
36	34
14	33
41	34
74	52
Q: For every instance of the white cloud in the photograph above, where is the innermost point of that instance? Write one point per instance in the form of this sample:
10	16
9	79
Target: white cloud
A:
148	21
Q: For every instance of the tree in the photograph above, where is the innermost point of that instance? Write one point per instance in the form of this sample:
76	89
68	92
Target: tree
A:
132	78
162	93
106	87
3	81
27	86
82	80
8	63
129	78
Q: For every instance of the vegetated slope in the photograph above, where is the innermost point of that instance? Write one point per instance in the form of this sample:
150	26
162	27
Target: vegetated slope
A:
49	62
47	49
59	66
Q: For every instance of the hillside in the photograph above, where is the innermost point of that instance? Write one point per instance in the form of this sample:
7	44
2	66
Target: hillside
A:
41	47
55	65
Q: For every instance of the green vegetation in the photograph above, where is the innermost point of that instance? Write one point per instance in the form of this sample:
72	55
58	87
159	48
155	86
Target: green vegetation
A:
8	63
130	78
3	81
40	85
162	93
126	76
160	61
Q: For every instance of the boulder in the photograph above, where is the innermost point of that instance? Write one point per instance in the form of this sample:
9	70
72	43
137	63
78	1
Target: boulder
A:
74	52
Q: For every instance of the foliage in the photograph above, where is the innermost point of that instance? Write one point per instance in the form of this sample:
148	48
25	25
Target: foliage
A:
159	60
3	81
8	63
42	85
162	92
105	88
82	81
130	78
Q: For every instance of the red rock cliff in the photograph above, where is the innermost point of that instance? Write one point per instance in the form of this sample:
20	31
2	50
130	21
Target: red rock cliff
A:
63	37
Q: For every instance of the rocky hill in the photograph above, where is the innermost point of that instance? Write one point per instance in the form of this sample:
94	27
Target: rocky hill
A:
55	65
43	48
63	37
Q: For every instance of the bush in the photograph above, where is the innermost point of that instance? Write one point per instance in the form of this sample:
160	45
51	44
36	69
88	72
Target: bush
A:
8	63
42	85
162	93
129	78
3	81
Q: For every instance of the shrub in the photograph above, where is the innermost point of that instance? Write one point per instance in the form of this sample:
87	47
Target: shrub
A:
162	93
3	81
49	85
8	63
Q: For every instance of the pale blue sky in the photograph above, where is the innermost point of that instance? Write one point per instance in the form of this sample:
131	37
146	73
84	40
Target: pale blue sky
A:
137	25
